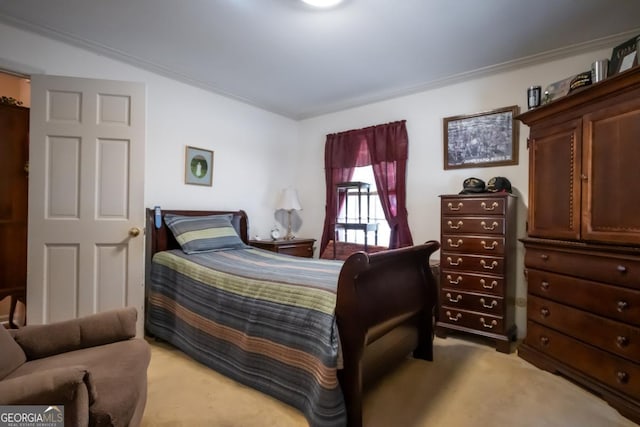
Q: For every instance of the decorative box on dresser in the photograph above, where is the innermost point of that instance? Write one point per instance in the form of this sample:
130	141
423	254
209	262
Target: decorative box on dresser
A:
582	257
477	267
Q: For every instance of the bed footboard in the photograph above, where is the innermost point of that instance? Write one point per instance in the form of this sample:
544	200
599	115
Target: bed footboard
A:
386	295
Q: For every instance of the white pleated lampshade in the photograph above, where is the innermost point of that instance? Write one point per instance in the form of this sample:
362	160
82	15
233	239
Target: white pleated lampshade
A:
289	200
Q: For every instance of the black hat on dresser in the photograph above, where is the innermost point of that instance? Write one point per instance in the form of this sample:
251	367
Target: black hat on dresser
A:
473	186
499	184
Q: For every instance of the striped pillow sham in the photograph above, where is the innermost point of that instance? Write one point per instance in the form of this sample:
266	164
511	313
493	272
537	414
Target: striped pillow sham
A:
204	233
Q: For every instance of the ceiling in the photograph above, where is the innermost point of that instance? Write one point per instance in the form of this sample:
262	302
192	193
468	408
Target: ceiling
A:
293	60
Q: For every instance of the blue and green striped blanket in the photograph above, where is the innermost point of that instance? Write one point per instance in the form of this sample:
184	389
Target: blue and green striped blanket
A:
264	319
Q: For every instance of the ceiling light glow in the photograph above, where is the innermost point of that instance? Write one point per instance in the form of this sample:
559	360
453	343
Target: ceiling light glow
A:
322	3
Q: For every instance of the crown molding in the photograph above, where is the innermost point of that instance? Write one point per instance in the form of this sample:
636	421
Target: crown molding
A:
353	103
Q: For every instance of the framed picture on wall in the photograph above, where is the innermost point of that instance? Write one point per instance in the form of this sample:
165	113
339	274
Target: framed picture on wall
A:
482	139
624	56
198	166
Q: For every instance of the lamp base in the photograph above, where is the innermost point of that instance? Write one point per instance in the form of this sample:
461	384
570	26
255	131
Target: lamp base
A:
289	235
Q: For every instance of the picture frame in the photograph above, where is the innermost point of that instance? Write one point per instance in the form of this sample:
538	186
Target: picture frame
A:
489	138
198	166
624	56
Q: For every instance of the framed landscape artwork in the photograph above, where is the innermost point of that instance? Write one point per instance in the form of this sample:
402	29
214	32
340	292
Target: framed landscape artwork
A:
198	166
482	139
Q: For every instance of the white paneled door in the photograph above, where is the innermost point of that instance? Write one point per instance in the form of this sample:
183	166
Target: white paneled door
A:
86	198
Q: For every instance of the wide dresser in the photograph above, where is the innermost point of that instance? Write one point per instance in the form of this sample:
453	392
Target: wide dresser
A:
477	267
582	251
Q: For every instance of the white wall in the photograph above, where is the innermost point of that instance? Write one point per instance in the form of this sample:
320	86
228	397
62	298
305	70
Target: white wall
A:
426	177
250	145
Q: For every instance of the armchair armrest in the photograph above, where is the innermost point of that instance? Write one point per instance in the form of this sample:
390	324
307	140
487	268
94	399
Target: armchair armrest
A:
69	386
51	386
39	341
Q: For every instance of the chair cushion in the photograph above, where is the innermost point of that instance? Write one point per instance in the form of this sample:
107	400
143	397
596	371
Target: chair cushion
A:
118	375
12	354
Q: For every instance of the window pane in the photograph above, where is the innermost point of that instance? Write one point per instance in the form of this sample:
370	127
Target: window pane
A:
353	215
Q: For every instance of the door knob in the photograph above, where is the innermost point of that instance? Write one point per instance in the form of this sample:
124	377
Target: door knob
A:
134	232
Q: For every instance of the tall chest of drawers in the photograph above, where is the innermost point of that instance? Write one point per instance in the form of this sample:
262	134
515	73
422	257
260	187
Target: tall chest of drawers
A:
582	253
477	267
583	316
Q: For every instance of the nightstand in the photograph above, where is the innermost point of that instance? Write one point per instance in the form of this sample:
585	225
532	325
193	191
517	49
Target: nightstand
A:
295	247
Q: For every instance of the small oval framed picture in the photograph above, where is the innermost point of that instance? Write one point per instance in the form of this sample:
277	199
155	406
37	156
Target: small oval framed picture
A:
198	166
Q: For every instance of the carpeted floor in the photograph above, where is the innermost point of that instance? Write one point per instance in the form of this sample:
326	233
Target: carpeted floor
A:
468	384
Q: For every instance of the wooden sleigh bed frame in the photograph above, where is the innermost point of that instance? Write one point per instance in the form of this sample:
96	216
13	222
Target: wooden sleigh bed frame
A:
384	310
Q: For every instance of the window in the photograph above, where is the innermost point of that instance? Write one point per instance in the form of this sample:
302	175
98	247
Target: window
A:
376	214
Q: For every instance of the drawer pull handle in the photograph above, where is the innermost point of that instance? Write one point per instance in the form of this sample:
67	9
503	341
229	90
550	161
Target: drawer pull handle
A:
622	305
492	285
493	304
492	227
454	282
621	269
493	265
489	248
544	312
457	317
455	227
544	285
451	208
493	206
458	261
622	341
488	325
456	245
544	341
544	257
623	377
457	299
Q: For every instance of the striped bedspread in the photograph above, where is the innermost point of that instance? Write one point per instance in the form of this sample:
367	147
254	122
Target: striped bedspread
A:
264	319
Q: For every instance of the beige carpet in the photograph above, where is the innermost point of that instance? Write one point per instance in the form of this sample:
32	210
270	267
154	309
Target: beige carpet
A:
468	384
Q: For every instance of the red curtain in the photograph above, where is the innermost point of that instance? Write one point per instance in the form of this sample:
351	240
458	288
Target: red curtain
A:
342	152
385	147
388	149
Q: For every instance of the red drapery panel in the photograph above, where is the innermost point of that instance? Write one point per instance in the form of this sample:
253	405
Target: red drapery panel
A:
385	147
343	150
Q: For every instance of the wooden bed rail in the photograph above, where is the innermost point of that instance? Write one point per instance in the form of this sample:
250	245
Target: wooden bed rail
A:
378	294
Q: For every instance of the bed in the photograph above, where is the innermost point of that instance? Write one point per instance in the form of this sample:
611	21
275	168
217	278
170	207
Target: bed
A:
315	332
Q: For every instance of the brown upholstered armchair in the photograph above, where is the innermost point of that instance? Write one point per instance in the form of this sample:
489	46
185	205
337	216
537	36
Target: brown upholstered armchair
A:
94	366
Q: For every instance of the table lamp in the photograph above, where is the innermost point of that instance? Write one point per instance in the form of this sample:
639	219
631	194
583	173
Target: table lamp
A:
289	202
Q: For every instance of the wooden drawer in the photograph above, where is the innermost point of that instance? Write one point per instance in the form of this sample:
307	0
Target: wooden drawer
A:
479	263
607	368
478	321
489	245
475	302
479	206
472	282
609	335
615	302
295	247
624	271
297	250
472	225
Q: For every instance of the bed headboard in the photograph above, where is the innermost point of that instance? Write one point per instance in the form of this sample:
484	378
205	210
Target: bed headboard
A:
161	239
